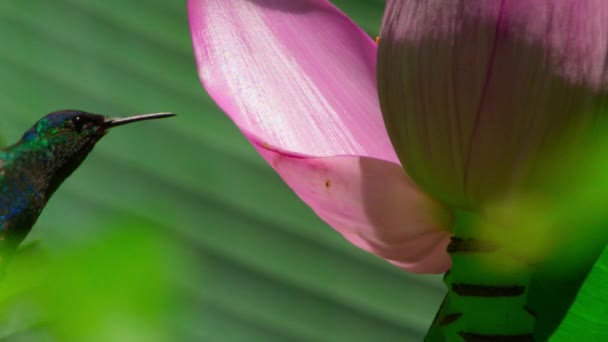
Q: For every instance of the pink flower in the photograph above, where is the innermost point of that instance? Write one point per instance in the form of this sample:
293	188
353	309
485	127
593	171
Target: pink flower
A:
476	93
298	78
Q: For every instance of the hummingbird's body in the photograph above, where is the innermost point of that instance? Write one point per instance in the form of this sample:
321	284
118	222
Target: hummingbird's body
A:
33	168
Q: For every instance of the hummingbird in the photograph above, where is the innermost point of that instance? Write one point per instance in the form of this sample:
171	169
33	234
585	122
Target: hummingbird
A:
32	169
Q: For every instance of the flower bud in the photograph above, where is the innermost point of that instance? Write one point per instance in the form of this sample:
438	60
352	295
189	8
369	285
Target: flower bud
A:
475	93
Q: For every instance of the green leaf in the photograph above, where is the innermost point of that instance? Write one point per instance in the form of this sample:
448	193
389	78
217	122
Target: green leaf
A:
586	319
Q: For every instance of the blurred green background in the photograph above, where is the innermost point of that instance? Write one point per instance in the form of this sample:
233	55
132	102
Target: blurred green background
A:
258	264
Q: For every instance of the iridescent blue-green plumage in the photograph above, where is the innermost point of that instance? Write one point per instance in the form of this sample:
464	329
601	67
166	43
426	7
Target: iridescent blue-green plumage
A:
33	168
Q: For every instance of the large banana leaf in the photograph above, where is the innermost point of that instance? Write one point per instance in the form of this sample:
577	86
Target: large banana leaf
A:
265	267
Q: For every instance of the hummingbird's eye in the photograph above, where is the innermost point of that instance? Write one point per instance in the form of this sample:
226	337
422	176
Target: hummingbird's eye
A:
78	123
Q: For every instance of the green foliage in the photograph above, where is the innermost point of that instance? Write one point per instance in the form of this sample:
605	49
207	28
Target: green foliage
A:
575	208
119	287
586	319
560	225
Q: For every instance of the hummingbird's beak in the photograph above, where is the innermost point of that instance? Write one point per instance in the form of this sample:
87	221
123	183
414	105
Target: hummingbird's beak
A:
114	122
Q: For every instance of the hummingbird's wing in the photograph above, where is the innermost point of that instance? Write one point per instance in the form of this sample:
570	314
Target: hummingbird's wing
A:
19	207
4	207
3	198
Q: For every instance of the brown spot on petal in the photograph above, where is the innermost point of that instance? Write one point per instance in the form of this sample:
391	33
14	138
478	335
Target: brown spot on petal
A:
327	184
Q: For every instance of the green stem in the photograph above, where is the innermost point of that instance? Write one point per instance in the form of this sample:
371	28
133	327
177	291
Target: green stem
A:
487	289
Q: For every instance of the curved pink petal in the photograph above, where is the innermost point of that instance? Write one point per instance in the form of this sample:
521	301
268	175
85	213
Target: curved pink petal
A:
299	79
372	203
298	74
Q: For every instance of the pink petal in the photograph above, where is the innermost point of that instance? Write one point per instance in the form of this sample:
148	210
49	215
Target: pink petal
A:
373	204
299	79
298	74
476	92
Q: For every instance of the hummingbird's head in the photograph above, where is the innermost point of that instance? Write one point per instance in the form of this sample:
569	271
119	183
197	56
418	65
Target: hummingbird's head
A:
66	135
67	129
62	139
